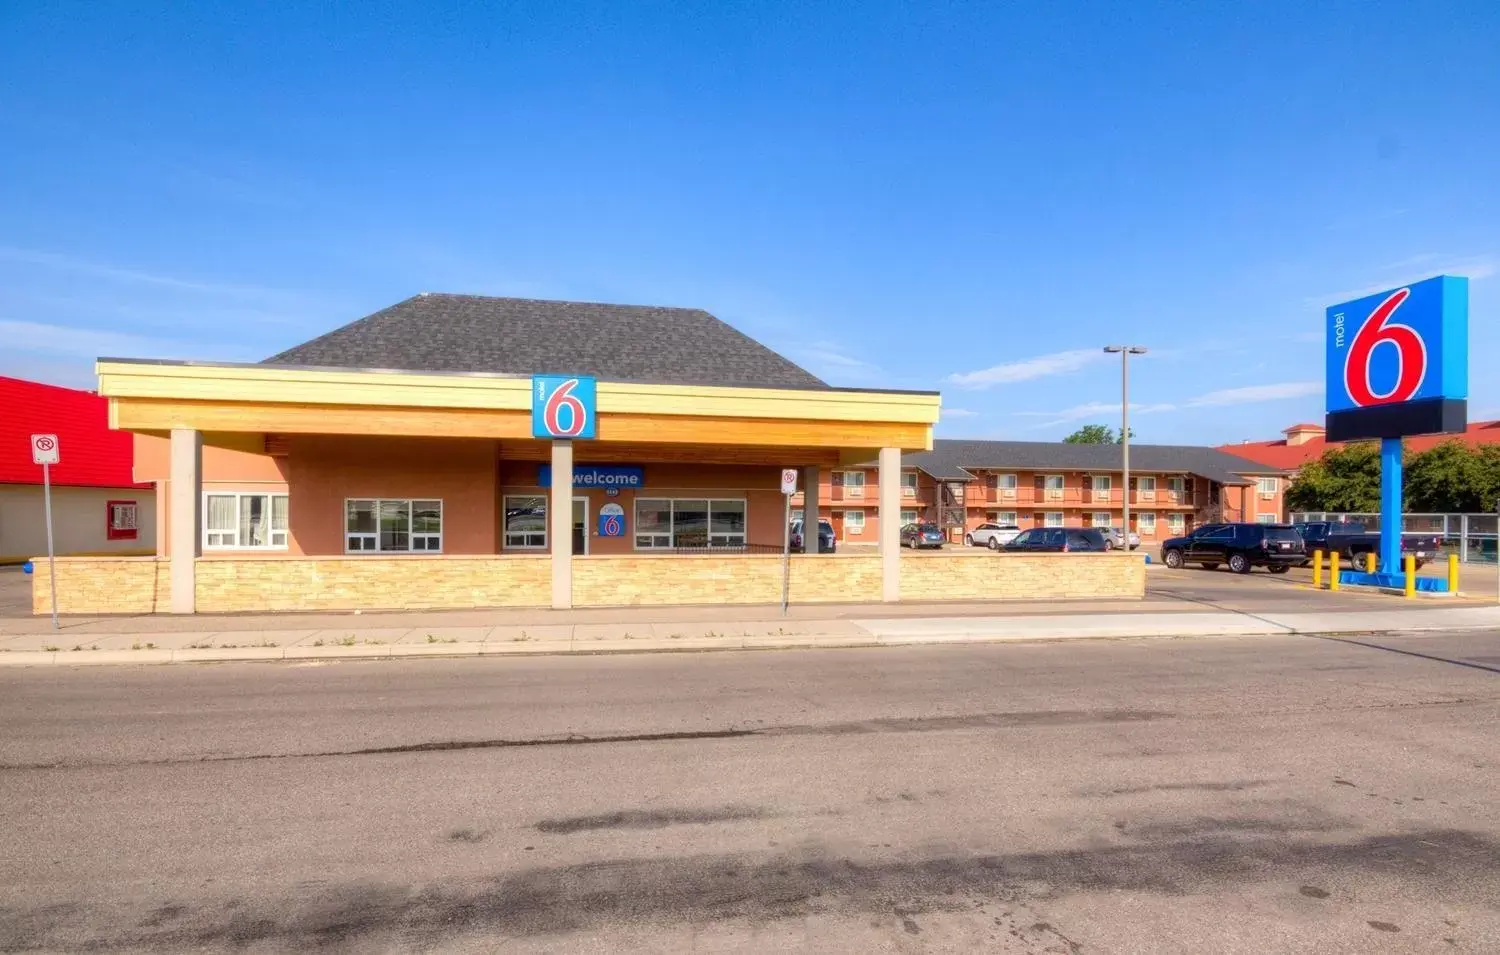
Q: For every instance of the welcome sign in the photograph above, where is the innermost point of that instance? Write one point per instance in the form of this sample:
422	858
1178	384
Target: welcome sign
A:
587	476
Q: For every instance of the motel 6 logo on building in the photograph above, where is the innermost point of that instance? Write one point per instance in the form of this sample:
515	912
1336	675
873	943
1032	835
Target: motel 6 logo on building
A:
563	407
1403	345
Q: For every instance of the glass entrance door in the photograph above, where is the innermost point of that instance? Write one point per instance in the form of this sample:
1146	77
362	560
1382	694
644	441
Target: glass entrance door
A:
580	525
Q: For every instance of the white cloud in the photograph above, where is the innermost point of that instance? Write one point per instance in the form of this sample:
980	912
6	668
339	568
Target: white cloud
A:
1254	393
1042	366
1094	409
959	413
91	343
1473	267
67	263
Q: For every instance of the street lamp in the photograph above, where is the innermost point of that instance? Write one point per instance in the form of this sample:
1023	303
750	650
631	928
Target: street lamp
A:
1125	351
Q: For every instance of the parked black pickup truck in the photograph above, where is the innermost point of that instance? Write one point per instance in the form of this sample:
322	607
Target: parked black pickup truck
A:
1351	542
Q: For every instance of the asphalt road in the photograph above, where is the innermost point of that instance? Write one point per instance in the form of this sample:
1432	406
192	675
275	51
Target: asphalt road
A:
1154	796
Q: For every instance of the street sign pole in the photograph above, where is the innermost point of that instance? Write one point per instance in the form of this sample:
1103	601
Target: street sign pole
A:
788	488
51	554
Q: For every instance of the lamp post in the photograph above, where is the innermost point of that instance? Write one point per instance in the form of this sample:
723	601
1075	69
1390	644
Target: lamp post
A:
1125	351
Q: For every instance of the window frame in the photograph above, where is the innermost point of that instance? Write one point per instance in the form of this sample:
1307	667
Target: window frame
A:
1267	518
913	512
1260	487
908	483
851	488
505	533
728	538
852	526
270	511
1176	524
1014	520
1094	480
1176	484
411	523
1005	483
1142	521
1109	518
1062	519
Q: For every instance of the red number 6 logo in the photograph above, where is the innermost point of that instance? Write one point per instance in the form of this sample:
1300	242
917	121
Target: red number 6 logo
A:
561	398
1411	351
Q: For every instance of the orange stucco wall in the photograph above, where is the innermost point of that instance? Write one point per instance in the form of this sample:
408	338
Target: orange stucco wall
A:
231	462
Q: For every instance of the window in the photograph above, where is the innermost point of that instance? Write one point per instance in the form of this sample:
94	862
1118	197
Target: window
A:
1177	485
908	484
662	523
1005	518
1175	523
1053	483
1147	523
854	484
797	514
525	522
1103	519
1053	519
393	526
120	521
1265	518
854	522
1004	483
1268	486
244	521
1100	483
908	517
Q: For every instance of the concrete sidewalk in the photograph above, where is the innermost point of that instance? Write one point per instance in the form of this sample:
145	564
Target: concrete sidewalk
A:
363	642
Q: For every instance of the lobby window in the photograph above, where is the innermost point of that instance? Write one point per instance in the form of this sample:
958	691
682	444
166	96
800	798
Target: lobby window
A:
525	522
121	521
373	525
854	484
663	523
1268	486
244	521
1147	525
854	522
908	484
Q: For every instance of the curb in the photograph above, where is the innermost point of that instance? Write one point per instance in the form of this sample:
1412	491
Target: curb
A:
893	636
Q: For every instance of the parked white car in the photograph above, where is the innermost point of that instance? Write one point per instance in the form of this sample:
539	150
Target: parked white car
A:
993	536
1114	538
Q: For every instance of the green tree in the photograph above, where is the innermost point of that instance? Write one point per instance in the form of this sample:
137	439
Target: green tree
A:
1095	434
1343	479
1453	476
1091	434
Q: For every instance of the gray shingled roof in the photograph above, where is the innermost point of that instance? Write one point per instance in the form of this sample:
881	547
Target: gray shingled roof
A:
517	336
949	458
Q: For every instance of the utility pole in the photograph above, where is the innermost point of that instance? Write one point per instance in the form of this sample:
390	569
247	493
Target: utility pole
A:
1125	351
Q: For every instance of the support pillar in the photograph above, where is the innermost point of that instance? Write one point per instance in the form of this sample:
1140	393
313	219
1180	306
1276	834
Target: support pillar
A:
560	525
890	524
185	475
1390	505
810	512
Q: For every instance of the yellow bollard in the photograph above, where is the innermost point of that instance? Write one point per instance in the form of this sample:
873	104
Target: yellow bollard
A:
1333	570
1370	562
1411	576
1452	573
1317	570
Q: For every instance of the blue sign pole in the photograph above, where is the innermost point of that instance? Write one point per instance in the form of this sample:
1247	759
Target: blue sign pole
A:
1390	505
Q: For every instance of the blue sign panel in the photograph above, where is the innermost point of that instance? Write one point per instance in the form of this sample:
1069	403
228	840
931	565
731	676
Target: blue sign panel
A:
611	521
1407	344
586	476
562	407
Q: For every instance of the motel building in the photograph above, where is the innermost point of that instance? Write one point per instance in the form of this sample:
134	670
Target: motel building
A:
962	484
456	451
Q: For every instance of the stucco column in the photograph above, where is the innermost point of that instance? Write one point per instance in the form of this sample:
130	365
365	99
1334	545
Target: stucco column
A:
185	473
560	525
890	524
810	512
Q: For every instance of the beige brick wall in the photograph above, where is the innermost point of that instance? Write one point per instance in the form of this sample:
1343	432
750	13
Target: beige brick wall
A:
835	579
980	575
664	580
371	583
101	585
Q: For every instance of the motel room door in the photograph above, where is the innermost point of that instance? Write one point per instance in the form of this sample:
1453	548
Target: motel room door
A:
580	525
837	520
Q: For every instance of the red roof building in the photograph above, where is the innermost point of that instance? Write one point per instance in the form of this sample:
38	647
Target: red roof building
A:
1306	442
92	454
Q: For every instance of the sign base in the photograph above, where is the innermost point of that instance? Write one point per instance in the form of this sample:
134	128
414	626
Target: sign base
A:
1437	416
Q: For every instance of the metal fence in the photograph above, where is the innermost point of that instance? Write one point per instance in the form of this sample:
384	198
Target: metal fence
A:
1472	537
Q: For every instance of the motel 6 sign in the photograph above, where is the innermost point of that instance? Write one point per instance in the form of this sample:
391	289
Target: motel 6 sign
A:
1398	363
563	407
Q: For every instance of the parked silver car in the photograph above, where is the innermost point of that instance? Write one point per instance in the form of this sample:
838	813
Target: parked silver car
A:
993	536
1114	538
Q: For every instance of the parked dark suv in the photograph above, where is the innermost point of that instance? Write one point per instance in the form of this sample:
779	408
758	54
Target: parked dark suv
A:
1276	547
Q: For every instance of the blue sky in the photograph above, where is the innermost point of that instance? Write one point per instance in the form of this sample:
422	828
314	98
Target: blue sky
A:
970	197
